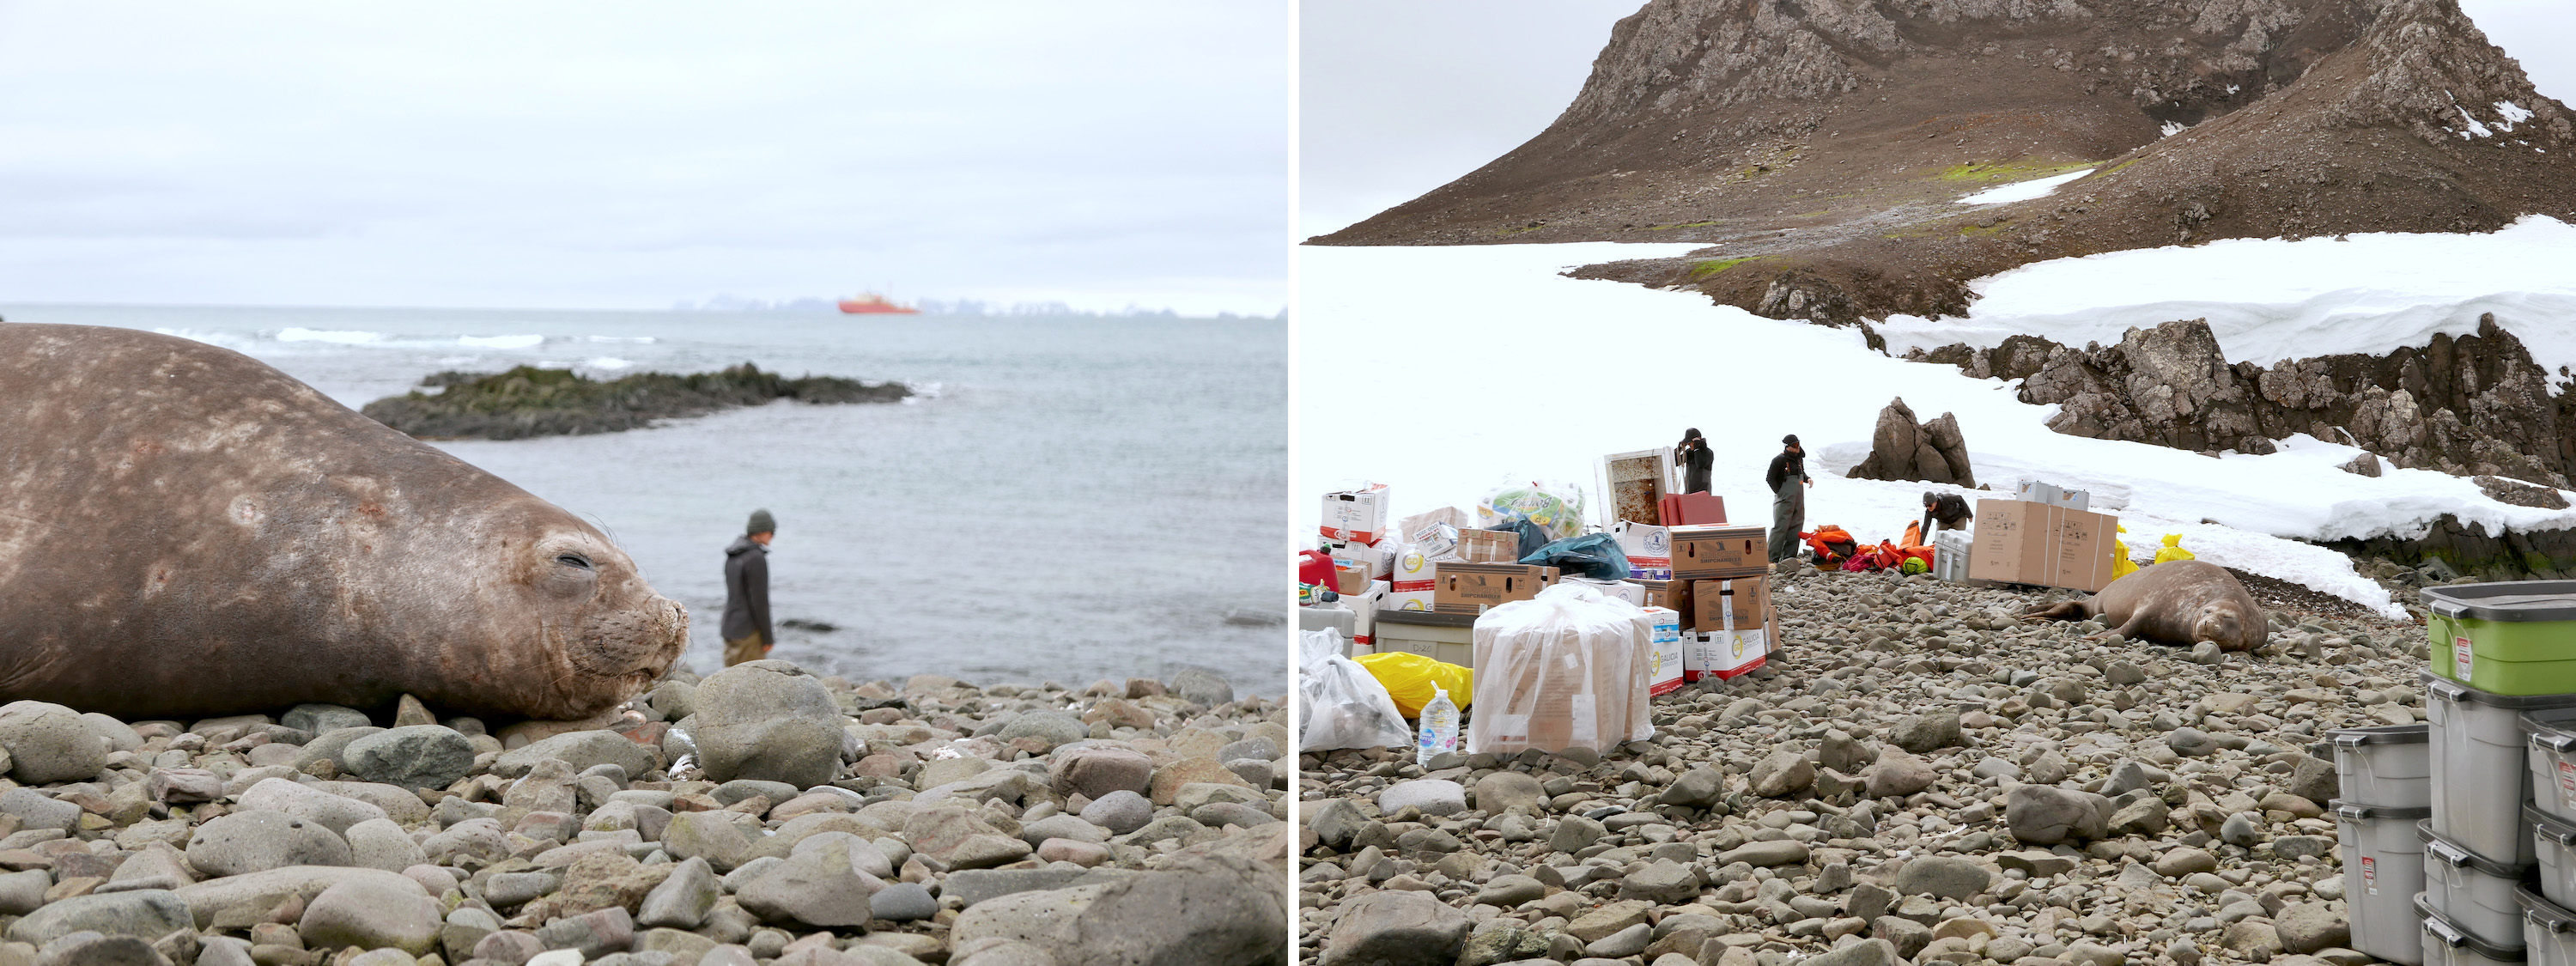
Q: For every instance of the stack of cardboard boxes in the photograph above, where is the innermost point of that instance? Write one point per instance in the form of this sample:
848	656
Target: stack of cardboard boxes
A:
2048	539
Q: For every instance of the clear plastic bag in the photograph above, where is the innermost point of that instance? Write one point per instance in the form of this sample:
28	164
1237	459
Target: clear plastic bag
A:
1557	508
1339	704
1569	668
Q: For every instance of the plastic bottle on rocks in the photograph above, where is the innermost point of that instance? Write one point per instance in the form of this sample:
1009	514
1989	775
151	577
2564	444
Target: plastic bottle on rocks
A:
1439	734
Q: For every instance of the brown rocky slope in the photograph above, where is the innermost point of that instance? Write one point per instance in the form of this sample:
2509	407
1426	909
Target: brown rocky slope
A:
1821	144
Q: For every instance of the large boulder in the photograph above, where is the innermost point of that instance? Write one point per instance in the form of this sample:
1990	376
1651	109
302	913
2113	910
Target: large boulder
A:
768	720
1903	449
583	750
48	743
2047	815
149	913
256	840
1396	928
416	756
371	914
1217	909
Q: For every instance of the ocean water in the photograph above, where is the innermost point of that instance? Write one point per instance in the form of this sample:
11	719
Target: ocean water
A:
1071	499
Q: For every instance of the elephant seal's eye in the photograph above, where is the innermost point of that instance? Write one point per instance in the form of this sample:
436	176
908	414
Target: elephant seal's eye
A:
574	560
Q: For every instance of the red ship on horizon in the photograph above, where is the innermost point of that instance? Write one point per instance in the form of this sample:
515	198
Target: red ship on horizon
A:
870	303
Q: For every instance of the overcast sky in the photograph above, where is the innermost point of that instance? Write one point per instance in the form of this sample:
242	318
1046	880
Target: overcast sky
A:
1398	98
636	153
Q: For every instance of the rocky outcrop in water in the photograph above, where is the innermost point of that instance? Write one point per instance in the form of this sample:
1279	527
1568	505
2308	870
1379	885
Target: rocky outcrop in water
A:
529	401
1902	449
2466	405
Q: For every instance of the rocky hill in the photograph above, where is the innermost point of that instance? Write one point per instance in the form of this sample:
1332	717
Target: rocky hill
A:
1822	145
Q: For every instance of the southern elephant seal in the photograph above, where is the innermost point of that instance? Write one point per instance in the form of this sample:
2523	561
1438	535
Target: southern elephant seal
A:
187	531
2178	602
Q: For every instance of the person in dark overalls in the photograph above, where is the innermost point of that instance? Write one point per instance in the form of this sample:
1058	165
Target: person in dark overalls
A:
1788	480
1694	458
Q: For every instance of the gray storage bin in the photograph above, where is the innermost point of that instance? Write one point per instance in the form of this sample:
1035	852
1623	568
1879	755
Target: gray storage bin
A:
2472	891
2391	765
2548	930
2553	760
2446	944
2482	767
2383	877
2555	840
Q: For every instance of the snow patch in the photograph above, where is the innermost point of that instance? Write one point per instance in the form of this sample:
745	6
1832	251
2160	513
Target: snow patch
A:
2172	128
2022	191
2268	300
2511	113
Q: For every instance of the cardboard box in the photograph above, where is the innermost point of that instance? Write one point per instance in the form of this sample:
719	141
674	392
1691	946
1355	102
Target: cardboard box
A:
1619	589
1635	484
2022	542
1725	654
1364	607
1470	588
1716	553
2083	556
1378	557
1413	600
1350	579
1649	549
1739	604
1355	516
1413	570
1489	546
1664	671
1673	594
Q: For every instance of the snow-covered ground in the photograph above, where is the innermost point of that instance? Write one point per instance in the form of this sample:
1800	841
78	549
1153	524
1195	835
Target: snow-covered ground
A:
1445	372
2273	300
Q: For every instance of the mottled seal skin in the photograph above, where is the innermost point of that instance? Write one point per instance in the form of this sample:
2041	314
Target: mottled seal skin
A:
187	531
2178	602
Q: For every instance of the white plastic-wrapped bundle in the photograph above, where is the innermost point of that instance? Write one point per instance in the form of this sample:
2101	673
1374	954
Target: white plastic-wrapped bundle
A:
1341	705
1569	668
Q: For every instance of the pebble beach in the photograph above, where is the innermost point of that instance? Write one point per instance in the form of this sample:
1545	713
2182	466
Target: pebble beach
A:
1918	776
762	815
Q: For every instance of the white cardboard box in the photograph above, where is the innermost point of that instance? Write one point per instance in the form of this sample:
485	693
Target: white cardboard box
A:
1649	549
1356	516
1364	616
1665	669
1379	556
1407	600
1723	654
1413	570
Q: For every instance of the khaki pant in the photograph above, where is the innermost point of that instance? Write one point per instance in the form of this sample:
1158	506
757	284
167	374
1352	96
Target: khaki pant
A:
745	648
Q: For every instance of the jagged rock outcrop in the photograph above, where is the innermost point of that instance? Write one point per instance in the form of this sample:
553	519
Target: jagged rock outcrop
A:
1902	449
1823	143
2472	404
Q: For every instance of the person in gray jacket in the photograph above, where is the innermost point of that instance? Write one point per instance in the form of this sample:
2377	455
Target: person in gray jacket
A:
1788	479
746	630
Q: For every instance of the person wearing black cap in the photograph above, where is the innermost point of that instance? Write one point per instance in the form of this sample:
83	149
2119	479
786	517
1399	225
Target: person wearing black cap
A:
1694	457
1788	478
745	628
1944	510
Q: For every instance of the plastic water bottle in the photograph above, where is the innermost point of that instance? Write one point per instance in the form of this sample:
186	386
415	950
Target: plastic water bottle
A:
1439	734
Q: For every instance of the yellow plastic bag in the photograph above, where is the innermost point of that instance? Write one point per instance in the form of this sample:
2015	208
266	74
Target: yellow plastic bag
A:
2173	549
2121	564
1409	678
